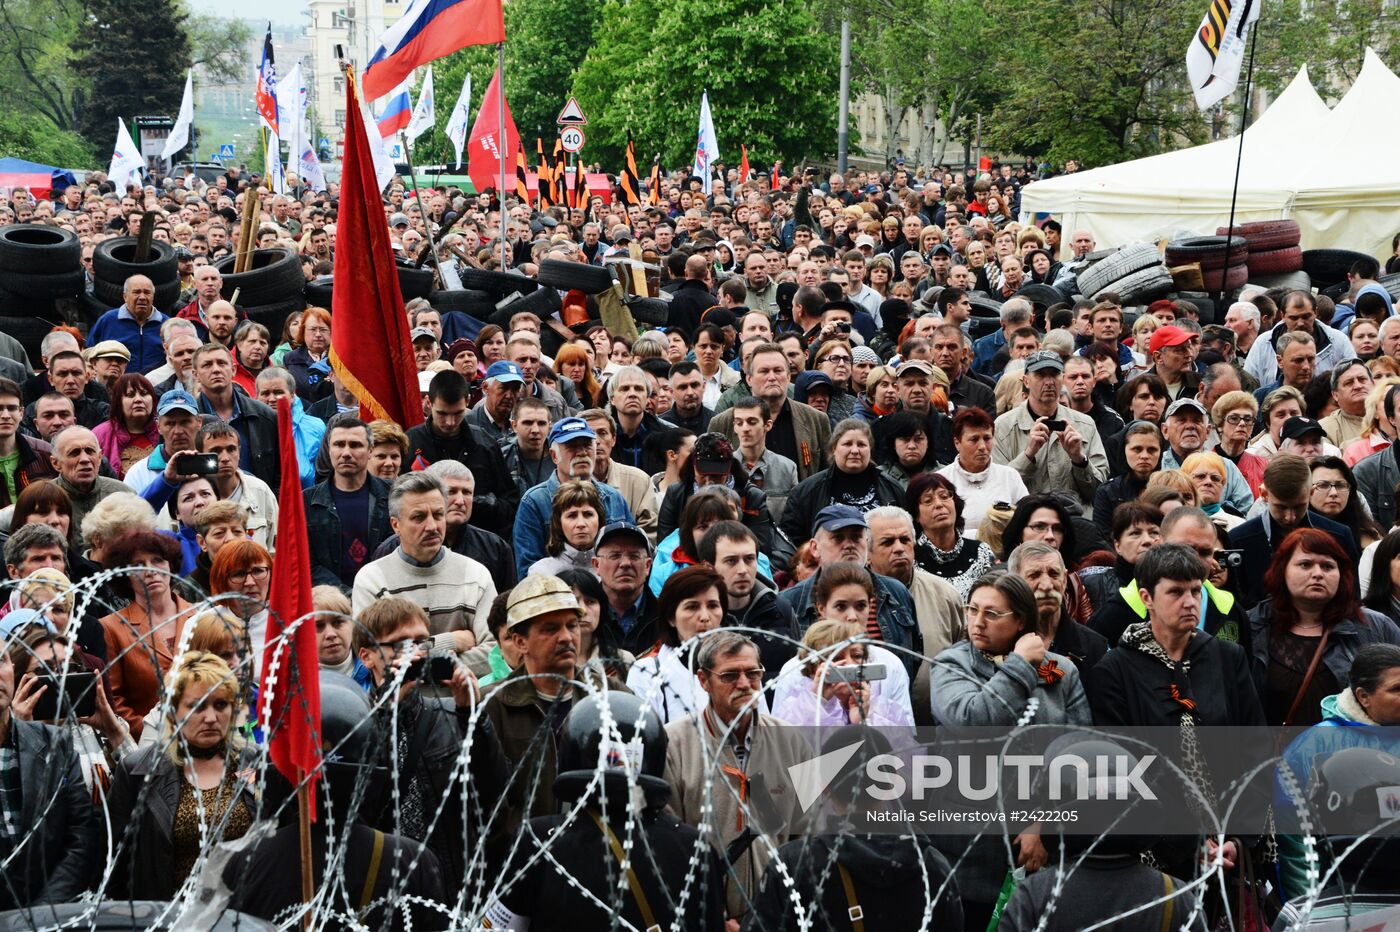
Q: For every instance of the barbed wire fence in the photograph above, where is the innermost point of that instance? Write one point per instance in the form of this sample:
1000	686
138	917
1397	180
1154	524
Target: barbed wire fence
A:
205	894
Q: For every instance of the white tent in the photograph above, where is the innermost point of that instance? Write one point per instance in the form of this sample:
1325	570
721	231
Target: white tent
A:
1330	170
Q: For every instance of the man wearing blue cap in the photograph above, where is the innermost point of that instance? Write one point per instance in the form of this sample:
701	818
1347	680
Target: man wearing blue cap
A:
501	391
446	435
572	447
842	535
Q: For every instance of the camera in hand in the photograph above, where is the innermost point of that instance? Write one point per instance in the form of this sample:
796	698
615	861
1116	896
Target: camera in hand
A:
1055	426
856	673
198	464
441	668
1230	559
75	695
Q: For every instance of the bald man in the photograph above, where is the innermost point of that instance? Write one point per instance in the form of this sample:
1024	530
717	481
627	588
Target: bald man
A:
135	324
693	297
78	460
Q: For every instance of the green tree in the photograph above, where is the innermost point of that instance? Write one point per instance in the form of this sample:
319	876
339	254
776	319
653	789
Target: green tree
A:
927	59
218	47
771	72
1099	80
132	57
543	51
34	59
1329	36
38	140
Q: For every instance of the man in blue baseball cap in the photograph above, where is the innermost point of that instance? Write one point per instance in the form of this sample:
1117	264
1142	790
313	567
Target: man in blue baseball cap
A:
501	389
572	447
841	535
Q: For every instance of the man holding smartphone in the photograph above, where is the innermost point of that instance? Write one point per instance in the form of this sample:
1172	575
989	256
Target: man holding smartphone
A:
1052	446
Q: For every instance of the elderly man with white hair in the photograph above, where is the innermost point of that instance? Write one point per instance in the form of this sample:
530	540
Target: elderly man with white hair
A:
78	458
1043	567
1243	319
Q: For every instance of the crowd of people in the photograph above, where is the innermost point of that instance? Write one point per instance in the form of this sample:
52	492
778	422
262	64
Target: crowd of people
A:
563	621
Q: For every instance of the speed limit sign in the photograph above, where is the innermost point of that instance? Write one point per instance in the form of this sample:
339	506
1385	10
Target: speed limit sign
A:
572	138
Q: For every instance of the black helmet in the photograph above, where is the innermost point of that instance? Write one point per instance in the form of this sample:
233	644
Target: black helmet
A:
350	747
1356	791
632	743
1118	822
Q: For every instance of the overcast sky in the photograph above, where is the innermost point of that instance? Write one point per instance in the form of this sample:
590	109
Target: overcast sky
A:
286	12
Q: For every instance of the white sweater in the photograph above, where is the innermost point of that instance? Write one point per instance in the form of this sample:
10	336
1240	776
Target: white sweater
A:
456	592
981	490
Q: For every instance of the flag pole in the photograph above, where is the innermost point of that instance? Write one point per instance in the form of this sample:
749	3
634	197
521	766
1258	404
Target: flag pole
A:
1239	157
501	149
422	207
308	886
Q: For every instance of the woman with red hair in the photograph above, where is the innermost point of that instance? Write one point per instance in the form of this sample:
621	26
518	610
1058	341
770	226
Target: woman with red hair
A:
1305	635
309	363
239	580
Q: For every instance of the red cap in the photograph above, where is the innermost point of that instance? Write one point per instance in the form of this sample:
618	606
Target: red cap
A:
1167	336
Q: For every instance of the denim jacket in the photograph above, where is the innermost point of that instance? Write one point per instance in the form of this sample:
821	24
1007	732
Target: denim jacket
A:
894	611
532	519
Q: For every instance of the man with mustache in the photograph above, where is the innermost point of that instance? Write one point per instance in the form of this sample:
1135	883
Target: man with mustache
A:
1042	566
454	590
526	709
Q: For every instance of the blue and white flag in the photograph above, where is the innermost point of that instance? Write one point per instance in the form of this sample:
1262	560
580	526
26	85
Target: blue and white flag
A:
706	145
424	115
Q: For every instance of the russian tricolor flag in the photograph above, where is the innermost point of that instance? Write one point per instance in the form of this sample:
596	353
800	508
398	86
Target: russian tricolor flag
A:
427	31
397	113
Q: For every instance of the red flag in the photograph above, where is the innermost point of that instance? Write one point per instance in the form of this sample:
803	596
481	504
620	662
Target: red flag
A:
291	677
485	150
773	181
743	163
370	347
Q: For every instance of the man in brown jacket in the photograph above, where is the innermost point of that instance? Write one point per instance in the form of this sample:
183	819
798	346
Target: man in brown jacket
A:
728	756
527	708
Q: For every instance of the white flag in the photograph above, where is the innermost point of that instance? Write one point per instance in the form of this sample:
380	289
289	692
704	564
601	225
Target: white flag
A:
457	123
424	115
275	174
309	166
291	110
126	158
1216	52
706	145
378	147
180	135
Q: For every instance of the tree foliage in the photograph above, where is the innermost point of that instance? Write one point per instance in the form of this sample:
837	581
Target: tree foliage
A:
770	70
38	140
34	58
1329	36
1095	80
218	47
132	55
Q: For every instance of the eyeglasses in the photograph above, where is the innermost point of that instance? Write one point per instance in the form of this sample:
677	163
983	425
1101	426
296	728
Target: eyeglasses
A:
1040	527
730	677
974	611
838	359
1330	487
257	572
1235	420
408	644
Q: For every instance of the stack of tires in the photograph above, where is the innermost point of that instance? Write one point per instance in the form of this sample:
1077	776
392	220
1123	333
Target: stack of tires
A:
114	261
1327	269
1223	260
38	266
986	315
1275	258
270	291
1134	273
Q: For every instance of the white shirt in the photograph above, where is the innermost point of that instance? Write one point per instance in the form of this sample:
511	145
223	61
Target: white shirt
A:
981	490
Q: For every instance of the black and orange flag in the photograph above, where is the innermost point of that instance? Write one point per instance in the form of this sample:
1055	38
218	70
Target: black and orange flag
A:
556	177
654	182
581	186
542	179
628	183
522	181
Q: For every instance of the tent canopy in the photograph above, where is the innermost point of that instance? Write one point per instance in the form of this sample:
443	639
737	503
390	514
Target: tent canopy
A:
1327	169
